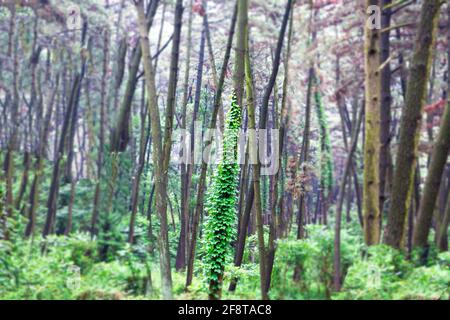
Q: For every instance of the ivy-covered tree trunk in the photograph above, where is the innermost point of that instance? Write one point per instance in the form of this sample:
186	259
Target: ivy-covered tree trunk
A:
326	157
221	205
212	125
410	124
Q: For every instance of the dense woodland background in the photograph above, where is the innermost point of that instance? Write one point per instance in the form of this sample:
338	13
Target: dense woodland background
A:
93	92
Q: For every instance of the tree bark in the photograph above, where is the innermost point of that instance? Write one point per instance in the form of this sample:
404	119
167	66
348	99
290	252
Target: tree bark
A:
250	99
212	125
435	176
337	234
385	105
371	181
101	139
39	165
166	276
411	123
181	253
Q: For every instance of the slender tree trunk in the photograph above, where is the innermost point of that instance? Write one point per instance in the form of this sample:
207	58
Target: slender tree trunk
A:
239	63
183	167
304	157
250	99
202	180
441	239
139	167
54	186
70	147
39	165
337	234
385	105
8	165
166	276
371	181
436	170
262	125
68	229
120	135
181	253
67	128
101	140
171	95
24	179
411	123
214	70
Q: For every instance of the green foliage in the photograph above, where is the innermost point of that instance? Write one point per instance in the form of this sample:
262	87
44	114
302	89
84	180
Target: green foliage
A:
26	273
303	269
82	207
221	201
384	273
67	269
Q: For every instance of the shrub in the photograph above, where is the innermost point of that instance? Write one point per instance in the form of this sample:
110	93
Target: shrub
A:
303	269
384	273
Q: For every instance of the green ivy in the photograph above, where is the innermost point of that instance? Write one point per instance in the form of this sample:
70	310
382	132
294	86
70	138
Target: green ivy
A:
221	204
326	161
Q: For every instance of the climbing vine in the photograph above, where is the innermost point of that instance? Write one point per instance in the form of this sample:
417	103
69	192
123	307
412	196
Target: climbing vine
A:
221	204
326	162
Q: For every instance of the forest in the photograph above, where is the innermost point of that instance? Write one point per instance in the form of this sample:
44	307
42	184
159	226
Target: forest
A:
224	149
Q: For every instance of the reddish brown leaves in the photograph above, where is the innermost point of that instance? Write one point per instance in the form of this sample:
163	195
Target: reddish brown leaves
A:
437	106
197	7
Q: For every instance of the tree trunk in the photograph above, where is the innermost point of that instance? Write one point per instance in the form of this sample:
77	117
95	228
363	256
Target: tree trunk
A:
68	229
166	276
202	180
435	176
39	165
411	123
181	253
250	100
337	234
385	104
183	167
257	168
441	239
371	181
304	157
101	140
